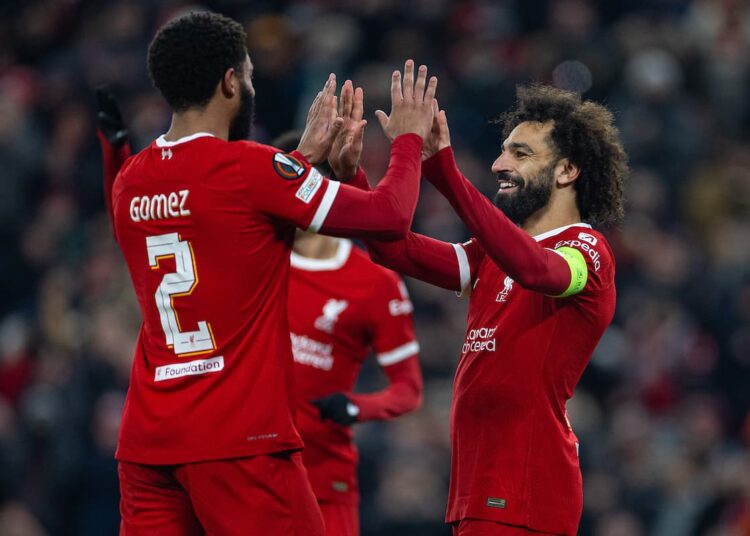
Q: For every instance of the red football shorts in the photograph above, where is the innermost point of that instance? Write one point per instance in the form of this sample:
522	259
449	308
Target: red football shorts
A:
340	519
479	527
258	495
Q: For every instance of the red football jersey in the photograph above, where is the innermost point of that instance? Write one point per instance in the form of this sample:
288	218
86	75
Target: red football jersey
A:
206	227
339	310
515	456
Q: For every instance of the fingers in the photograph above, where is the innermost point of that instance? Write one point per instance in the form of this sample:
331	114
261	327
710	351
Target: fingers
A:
419	87
443	122
359	134
382	119
429	95
323	97
347	96
396	95
315	106
408	80
333	131
358	104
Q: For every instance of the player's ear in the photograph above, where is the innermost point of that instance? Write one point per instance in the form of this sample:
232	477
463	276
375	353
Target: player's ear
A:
566	172
229	83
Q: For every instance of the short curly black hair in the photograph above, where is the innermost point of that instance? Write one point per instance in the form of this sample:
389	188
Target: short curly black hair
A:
584	132
189	56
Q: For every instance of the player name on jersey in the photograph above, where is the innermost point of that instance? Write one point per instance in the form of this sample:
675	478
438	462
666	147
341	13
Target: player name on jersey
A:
159	206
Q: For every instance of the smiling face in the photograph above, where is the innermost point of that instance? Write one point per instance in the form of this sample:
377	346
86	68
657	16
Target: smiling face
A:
525	171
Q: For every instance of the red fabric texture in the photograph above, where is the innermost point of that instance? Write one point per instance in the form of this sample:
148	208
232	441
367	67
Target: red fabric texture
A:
340	519
509	246
340	312
514	454
112	159
258	495
478	527
387	211
403	394
415	255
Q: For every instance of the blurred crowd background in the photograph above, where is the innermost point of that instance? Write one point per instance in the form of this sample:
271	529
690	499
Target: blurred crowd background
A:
662	410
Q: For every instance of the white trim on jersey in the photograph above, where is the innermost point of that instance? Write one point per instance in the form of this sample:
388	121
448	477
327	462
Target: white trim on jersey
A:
325	205
320	265
464	270
161	142
398	354
553	232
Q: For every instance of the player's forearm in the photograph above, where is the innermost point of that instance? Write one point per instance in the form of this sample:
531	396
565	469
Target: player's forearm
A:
113	157
417	256
403	394
518	254
420	257
386	212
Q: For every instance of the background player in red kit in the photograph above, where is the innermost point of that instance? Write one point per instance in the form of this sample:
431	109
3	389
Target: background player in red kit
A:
206	222
542	292
342	306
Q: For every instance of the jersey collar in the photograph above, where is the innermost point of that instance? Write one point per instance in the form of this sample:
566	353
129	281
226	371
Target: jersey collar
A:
319	265
161	142
559	230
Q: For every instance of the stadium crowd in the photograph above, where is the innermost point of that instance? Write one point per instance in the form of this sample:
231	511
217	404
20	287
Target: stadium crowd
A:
663	410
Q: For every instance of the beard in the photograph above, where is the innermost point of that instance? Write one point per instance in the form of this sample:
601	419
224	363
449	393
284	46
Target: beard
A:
531	195
241	127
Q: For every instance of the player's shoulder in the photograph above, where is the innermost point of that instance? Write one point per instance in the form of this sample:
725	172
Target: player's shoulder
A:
589	241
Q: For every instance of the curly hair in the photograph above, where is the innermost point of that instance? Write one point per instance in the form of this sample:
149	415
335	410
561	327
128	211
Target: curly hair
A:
189	56
584	132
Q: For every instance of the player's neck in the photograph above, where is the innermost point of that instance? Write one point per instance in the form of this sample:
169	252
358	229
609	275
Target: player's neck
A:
193	121
315	246
552	216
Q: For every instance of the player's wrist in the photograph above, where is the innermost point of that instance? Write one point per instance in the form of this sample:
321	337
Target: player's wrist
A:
438	166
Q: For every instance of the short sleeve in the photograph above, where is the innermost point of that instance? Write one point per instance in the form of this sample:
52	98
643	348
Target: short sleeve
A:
469	255
393	327
286	186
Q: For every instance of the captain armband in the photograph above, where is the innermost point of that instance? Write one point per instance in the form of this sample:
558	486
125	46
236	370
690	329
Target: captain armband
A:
579	272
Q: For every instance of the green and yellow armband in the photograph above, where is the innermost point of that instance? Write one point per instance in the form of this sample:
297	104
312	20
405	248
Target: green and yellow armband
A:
579	272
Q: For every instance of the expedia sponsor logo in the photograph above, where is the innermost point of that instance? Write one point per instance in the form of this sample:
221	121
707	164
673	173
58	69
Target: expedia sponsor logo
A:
591	239
480	340
400	307
192	368
585	247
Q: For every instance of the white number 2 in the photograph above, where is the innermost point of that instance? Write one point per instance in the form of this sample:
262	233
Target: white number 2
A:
181	282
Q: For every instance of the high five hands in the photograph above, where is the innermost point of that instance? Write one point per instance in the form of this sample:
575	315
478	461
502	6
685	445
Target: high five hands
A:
412	108
347	146
335	128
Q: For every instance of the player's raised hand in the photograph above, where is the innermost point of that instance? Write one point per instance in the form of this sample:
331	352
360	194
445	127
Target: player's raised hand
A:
347	146
109	119
322	124
439	137
411	103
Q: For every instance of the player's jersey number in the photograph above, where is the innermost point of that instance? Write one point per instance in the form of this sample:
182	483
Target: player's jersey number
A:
181	282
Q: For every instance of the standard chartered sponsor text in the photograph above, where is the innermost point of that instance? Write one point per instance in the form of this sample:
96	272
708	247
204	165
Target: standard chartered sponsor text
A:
480	340
310	352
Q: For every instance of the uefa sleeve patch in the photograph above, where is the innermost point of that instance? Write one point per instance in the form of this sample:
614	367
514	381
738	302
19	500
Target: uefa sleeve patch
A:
311	185
288	167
